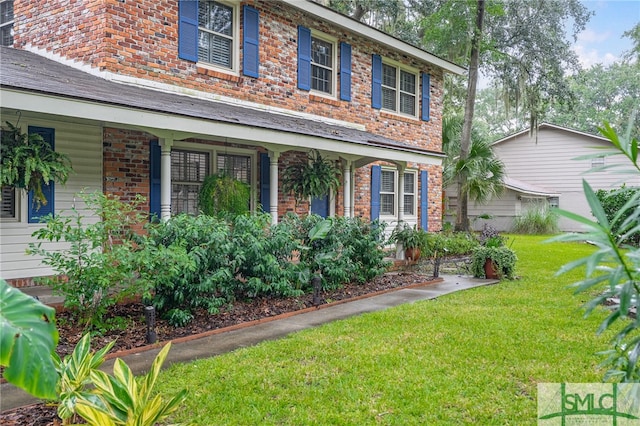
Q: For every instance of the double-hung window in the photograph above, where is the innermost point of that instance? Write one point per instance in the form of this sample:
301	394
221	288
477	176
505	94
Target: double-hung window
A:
399	90
188	170
322	65
217	34
389	193
6	23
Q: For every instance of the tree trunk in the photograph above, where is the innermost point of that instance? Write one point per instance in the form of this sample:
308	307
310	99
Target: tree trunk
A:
462	220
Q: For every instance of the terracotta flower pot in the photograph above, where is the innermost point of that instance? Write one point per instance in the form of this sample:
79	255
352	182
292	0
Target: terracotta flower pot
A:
412	253
490	270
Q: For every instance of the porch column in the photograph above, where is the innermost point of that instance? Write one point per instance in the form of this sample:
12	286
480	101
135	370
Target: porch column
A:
348	210
165	178
401	170
273	186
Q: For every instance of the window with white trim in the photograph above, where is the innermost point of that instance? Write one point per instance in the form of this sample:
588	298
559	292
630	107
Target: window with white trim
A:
217	33
188	170
399	90
410	194
323	64
389	195
6	23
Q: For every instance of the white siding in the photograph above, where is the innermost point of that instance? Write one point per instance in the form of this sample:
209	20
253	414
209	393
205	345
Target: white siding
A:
83	145
550	163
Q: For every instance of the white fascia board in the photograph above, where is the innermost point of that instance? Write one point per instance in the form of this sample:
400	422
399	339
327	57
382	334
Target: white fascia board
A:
182	127
374	34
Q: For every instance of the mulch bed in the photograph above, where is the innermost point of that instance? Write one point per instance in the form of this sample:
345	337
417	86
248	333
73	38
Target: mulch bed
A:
134	334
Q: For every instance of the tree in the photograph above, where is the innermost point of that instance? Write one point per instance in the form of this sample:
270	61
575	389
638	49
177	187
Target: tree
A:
606	93
520	44
462	223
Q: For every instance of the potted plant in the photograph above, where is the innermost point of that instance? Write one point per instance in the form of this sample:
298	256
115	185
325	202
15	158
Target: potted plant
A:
27	162
493	260
222	195
413	240
313	177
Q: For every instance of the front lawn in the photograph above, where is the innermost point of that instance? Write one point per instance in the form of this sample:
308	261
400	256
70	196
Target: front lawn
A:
470	357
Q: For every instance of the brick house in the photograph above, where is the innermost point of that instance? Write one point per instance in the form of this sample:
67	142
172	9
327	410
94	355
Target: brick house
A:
150	96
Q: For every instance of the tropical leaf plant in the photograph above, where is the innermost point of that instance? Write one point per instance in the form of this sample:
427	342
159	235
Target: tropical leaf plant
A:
75	374
28	337
28	161
123	399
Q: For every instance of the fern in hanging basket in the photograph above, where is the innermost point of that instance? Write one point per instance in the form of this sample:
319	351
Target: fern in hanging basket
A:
313	178
222	195
27	161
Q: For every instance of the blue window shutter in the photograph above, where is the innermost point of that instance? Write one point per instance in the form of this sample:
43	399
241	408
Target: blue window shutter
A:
376	174
345	71
376	82
426	95
304	58
34	213
265	182
154	175
424	200
188	30
250	47
320	206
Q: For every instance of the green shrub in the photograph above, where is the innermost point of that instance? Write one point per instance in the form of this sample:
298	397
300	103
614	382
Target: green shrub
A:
538	220
187	258
96	270
449	244
260	255
351	251
612	202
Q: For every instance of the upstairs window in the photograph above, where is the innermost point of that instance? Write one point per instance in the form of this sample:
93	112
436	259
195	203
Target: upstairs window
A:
216	32
6	23
322	65
398	90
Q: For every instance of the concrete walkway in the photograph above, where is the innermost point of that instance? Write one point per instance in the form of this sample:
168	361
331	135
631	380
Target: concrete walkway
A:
228	341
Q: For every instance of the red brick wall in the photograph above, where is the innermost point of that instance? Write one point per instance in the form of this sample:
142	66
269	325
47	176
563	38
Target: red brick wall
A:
140	39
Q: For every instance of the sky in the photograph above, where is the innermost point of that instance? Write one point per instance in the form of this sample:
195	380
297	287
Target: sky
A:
602	41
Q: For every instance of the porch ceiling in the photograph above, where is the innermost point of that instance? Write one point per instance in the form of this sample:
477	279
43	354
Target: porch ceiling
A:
30	82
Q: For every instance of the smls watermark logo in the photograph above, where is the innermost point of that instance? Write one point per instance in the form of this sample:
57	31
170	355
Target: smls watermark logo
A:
591	404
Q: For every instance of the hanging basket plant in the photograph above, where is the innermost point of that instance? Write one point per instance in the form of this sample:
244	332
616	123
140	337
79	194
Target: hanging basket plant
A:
314	177
27	161
222	195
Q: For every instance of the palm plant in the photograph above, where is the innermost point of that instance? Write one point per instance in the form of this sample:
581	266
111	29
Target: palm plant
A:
483	170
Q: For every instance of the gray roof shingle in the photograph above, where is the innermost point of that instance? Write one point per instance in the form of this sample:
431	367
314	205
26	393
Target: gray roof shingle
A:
27	71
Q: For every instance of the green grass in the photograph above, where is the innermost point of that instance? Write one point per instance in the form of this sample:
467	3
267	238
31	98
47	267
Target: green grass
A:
470	357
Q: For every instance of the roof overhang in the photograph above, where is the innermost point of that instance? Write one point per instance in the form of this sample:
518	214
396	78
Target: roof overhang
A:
527	189
179	127
358	27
